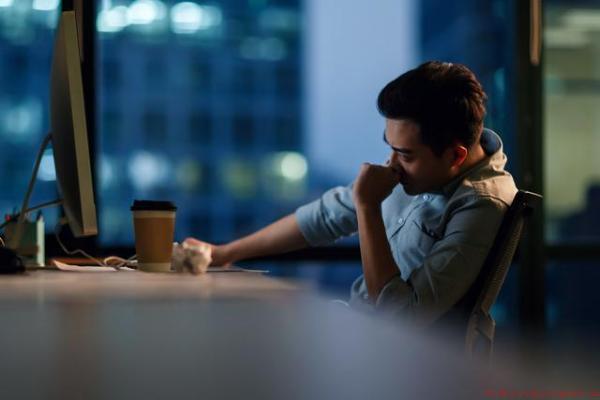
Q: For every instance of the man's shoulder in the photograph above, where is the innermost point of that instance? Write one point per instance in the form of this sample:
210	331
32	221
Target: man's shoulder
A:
494	186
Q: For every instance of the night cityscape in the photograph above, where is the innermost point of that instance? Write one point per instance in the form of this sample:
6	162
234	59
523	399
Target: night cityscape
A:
212	106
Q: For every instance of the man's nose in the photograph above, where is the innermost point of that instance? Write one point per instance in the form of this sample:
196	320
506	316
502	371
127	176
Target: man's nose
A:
394	159
394	162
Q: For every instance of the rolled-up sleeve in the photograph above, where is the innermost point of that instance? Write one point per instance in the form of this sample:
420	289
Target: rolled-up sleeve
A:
447	272
328	218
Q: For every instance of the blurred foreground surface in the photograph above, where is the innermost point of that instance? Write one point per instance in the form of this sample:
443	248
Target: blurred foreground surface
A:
225	335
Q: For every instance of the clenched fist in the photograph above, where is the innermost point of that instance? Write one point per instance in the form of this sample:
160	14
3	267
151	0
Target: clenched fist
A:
373	184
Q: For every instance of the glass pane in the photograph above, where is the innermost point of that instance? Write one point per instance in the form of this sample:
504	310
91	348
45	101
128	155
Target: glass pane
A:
240	111
26	40
478	34
200	104
347	63
572	316
571	121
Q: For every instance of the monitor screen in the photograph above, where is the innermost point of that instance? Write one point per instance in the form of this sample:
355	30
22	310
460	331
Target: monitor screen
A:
69	130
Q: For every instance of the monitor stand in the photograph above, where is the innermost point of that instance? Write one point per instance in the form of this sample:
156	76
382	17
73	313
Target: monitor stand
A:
16	233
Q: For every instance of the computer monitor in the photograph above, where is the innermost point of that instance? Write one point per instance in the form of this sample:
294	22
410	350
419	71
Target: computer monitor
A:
68	133
69	130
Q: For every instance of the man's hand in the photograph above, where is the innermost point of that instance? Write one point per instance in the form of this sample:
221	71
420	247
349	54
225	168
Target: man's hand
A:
220	253
373	184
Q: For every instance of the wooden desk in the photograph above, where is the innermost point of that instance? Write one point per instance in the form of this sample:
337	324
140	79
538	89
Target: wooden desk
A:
88	287
132	335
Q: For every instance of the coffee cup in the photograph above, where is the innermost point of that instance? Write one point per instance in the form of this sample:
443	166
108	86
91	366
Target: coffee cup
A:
154	226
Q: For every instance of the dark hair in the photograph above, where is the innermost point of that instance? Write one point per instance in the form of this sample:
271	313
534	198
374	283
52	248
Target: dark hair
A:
446	100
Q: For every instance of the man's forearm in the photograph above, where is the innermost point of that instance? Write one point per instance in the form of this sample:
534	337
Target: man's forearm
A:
377	261
281	236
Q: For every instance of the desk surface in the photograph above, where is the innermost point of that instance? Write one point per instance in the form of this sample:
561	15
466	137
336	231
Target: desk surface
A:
56	285
130	335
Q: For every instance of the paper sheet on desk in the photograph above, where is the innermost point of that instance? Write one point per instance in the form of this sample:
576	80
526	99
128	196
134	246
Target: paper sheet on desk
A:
87	268
97	268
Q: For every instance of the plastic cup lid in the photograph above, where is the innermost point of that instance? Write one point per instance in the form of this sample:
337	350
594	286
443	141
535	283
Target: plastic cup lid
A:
153	205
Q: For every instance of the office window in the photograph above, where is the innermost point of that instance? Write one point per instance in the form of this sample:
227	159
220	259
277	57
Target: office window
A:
349	58
571	122
479	35
572	319
268	98
239	111
187	96
26	41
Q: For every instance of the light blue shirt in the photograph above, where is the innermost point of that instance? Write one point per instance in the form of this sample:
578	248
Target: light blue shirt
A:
439	241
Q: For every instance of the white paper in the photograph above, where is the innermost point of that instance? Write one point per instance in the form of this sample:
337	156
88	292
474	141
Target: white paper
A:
87	268
97	268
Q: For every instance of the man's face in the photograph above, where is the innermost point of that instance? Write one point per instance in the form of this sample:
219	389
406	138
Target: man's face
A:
419	168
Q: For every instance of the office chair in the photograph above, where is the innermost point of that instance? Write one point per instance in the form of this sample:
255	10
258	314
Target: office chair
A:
474	308
480	325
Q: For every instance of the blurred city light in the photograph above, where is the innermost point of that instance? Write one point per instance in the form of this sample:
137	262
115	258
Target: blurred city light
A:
564	37
147	170
185	17
23	121
6	3
293	166
107	172
575	29
112	19
240	178
143	12
45	5
200	170
188	175
285	174
583	19
188	17
51	18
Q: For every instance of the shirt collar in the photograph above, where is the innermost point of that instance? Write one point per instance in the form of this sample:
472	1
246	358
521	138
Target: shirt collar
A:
495	161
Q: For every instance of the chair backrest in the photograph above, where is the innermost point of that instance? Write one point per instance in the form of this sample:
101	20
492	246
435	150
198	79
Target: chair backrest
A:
481	326
473	309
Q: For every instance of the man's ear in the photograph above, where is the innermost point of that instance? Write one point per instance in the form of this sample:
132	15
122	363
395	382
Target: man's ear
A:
457	155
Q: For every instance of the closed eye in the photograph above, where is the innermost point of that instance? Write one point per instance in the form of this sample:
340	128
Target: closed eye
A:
402	151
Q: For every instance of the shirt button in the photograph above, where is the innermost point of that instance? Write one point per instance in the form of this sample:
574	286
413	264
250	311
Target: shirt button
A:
400	220
426	197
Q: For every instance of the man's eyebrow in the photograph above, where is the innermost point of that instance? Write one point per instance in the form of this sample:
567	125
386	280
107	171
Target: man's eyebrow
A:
396	149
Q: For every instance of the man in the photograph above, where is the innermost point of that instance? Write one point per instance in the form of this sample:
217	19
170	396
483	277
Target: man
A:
427	218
